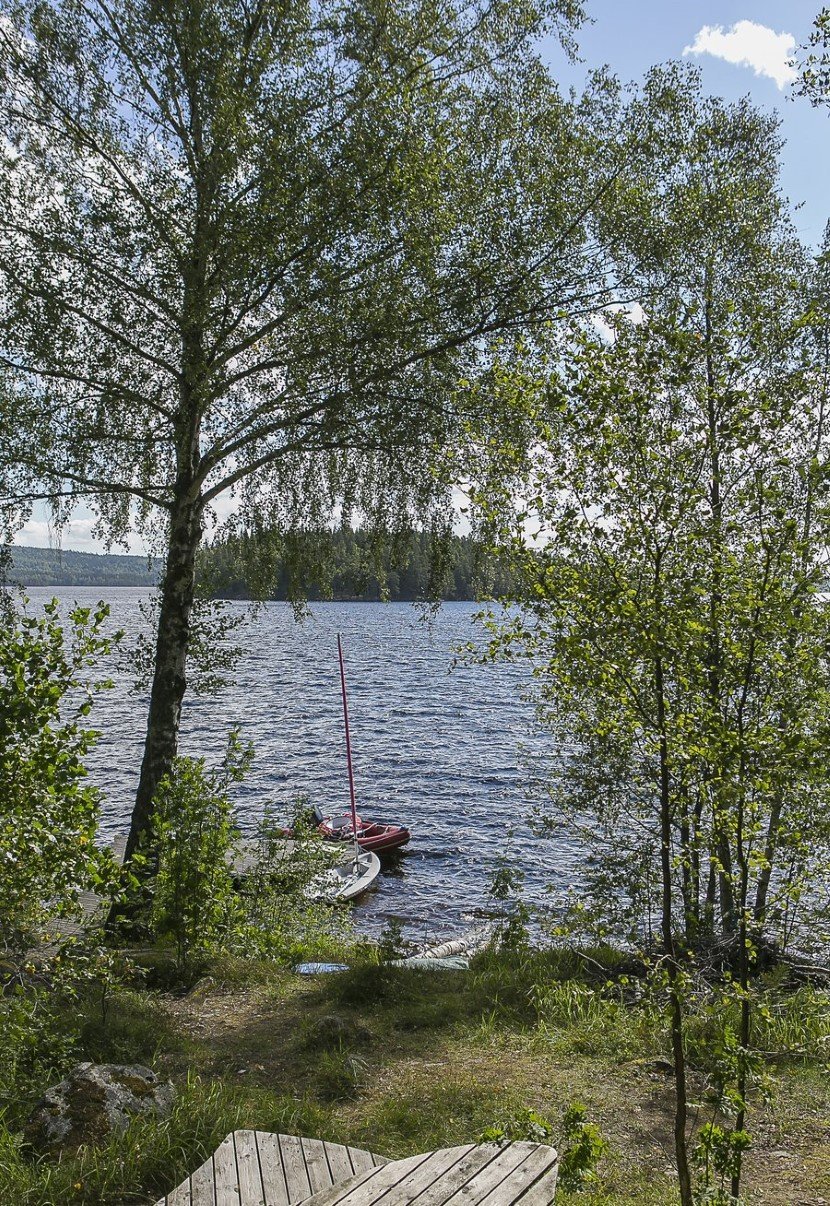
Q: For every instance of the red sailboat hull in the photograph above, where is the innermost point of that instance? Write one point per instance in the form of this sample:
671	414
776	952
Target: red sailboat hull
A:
368	835
371	835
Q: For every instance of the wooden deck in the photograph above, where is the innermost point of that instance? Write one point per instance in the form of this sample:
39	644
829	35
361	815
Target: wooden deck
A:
253	1168
485	1175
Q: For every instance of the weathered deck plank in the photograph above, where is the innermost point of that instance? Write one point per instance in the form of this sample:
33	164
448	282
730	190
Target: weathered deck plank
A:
273	1174
316	1164
362	1161
341	1166
538	1169
226	1178
256	1168
367	1185
498	1178
438	1165
520	1173
202	1185
296	1175
181	1196
540	1192
458	1177
247	1167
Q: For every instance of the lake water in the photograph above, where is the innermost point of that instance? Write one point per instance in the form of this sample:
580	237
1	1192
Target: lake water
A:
443	751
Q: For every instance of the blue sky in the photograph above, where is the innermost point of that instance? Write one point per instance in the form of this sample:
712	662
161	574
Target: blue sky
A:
632	35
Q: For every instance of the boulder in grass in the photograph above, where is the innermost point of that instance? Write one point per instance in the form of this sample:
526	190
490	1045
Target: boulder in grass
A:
95	1101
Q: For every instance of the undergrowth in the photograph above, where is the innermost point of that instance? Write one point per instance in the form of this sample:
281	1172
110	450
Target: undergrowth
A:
398	1060
153	1155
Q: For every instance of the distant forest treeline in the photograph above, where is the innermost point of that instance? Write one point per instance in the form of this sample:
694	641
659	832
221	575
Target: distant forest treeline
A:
65	567
351	565
339	565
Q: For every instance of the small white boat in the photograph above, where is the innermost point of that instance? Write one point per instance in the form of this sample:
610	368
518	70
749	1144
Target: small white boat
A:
347	879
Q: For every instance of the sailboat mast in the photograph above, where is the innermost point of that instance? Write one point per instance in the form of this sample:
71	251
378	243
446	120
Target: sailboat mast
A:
348	739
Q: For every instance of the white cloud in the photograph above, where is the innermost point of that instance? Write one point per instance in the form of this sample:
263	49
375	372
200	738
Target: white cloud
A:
222	508
602	327
40	534
748	44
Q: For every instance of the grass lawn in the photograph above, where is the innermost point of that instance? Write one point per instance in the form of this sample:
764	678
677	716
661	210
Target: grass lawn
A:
399	1062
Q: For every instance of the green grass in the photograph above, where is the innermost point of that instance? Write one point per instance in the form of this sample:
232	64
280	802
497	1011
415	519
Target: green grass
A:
401	1061
152	1156
134	1031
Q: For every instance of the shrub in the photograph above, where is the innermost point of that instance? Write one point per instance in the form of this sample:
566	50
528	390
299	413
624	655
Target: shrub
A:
38	1043
48	814
525	1125
205	907
283	920
193	841
48	856
582	1145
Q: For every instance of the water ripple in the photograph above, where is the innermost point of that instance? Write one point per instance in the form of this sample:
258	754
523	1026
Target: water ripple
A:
436	749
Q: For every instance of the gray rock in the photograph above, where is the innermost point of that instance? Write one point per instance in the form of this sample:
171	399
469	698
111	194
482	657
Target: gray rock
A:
96	1100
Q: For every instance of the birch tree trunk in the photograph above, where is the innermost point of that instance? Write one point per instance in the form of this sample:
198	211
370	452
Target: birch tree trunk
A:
170	676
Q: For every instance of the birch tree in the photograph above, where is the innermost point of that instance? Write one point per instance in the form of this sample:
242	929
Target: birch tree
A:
672	609
249	248
814	77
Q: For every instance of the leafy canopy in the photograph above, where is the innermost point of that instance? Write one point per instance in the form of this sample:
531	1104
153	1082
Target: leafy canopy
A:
253	246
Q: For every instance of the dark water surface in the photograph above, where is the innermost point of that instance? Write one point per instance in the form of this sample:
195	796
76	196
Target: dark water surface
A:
439	750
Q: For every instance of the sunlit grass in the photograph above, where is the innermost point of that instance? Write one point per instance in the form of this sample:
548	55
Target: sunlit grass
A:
415	1060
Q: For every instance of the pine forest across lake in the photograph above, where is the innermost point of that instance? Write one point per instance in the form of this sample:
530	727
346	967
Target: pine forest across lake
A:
448	752
343	565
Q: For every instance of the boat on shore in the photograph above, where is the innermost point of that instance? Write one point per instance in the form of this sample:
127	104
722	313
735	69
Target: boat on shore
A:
353	869
369	836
